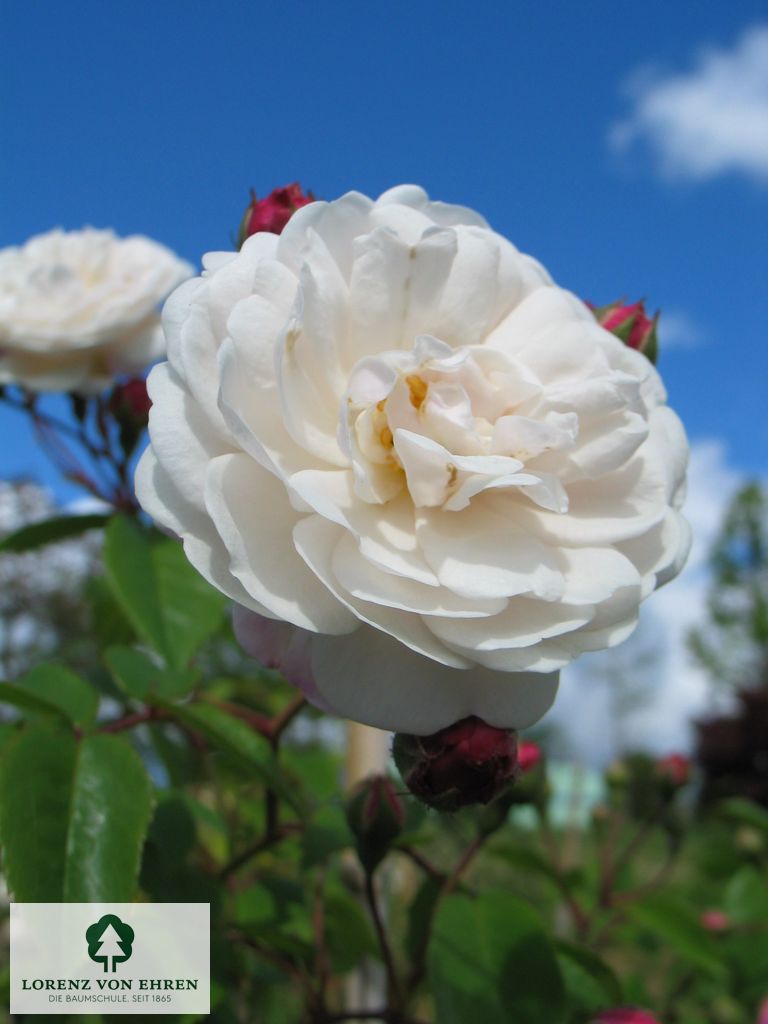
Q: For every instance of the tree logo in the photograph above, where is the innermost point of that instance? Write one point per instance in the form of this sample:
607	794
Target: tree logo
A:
109	939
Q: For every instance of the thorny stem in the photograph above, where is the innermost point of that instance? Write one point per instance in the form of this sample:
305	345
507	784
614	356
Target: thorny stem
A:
578	913
421	861
322	965
393	982
149	714
110	467
272	729
277	835
449	884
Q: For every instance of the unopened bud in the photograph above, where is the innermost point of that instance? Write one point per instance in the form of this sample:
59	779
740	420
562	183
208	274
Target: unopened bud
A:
630	323
675	770
376	816
129	403
467	763
273	212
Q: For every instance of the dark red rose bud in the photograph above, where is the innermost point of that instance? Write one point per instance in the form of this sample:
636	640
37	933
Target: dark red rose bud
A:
466	763
131	399
129	404
376	817
273	212
625	1015
674	769
630	323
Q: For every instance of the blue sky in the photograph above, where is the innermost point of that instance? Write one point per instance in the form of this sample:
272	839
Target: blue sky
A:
549	118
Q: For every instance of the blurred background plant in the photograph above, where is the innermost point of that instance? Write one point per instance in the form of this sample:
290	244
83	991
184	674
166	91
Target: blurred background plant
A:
633	895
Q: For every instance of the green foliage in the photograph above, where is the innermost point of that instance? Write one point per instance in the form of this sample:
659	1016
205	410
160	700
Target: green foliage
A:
169	605
88	802
37	535
491	960
57	686
160	764
733	644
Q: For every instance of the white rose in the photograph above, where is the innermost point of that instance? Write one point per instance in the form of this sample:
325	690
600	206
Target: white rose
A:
390	429
79	307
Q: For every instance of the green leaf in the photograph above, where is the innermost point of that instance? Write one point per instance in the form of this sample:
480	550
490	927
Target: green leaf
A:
491	961
236	737
420	915
138	676
746	812
25	700
326	834
73	815
590	983
349	936
73	696
746	896
676	925
168	603
37	535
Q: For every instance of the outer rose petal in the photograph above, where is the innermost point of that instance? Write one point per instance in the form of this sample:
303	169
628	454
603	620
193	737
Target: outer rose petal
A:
380	682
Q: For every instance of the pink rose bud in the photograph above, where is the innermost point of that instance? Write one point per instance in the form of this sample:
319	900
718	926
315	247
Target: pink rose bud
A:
762	1013
273	212
528	755
376	816
715	921
631	324
674	769
469	762
625	1015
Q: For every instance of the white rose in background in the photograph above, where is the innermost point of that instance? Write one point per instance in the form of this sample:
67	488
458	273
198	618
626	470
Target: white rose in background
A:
78	308
425	472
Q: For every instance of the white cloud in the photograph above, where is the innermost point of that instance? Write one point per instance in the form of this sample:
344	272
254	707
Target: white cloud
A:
645	694
708	121
678	330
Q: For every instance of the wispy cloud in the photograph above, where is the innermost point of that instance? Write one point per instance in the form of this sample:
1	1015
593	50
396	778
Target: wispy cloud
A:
678	330
707	121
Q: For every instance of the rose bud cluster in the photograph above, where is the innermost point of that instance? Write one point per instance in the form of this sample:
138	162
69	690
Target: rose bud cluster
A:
467	763
625	1015
273	212
630	323
376	816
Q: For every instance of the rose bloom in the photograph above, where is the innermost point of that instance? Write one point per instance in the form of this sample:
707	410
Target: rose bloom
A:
425	472
78	308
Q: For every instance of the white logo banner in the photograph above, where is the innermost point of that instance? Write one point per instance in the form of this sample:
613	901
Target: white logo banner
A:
80	958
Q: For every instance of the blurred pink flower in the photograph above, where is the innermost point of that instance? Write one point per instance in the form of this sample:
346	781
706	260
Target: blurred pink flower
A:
716	921
625	1015
528	755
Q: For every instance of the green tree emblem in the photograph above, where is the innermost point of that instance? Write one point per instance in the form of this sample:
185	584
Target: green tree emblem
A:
109	939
